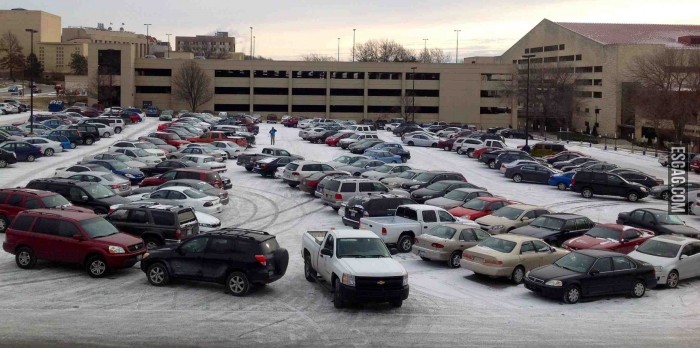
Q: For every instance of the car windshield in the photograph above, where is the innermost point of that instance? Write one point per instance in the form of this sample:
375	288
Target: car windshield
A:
548	223
98	191
383	169
55	201
407	175
475	204
658	248
315	176
194	194
457	195
343	159
438	186
424	177
203	186
575	262
145	146
444	232
361	163
498	244
361	248
141	153
157	141
603	232
122	158
664	218
508	213
98	227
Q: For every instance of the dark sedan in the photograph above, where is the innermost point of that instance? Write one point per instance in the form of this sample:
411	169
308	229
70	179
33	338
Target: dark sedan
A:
535	173
511	157
555	229
657	220
360	147
135	176
490	156
664	191
571	162
591	273
167	165
320	138
439	189
268	166
640	178
563	156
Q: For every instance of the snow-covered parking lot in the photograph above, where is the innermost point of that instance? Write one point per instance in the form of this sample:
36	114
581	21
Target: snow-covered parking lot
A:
54	304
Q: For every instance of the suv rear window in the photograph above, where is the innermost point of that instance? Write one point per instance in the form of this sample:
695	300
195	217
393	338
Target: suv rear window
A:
186	216
163	218
269	246
333	185
213	176
292	166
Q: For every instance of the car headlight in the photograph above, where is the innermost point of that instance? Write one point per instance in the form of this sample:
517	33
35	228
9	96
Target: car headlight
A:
206	225
414	187
658	269
553	283
145	255
130	176
113	249
348	279
496	228
644	189
405	280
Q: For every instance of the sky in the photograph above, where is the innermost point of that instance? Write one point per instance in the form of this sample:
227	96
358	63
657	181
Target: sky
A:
288	30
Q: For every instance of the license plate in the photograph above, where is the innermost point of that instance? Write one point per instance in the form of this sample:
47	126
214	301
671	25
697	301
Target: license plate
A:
352	213
421	253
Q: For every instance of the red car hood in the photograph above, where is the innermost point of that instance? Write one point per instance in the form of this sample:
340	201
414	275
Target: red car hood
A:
120	239
588	242
470	214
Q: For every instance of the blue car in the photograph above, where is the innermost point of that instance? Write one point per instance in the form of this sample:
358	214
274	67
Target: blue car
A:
135	176
383	155
561	181
24	151
53	124
152	112
65	142
12	130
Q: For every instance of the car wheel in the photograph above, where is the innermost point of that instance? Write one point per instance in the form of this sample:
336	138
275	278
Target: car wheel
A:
639	288
433	145
96	267
4	222
3	163
338	300
48	152
492	164
25	258
572	294
470	153
396	303
587	193
410	143
100	211
249	168
405	243
73	145
292	185
518	275
151	243
518	178
158	275
666	195
455	258
561	186
446	148
404	159
106	135
632	196
309	272
424	258
672	279
89	141
117	130
238	284
30	158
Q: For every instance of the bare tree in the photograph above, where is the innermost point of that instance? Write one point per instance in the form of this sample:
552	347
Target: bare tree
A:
384	50
192	85
208	52
434	55
12	57
405	108
102	87
669	87
314	57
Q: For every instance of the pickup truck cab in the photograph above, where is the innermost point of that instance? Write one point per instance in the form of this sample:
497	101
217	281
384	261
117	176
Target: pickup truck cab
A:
410	221
356	264
469	148
247	160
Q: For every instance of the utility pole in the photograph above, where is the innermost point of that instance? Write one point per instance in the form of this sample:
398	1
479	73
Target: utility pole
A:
413	94
168	35
251	43
338	49
457	49
253	46
353	45
148	42
527	99
32	63
426	44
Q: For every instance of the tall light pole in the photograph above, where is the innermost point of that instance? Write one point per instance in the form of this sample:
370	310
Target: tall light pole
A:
31	80
527	99
148	44
353	45
457	49
251	43
253	46
413	94
426	44
338	49
168	35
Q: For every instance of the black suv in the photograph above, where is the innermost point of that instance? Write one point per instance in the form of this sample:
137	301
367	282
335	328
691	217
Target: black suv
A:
555	229
74	136
84	194
7	158
156	224
89	133
589	183
371	206
427	178
237	258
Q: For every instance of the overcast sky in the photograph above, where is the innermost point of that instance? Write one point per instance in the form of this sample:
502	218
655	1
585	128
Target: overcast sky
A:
286	30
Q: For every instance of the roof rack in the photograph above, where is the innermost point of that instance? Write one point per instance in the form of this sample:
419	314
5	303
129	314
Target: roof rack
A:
241	232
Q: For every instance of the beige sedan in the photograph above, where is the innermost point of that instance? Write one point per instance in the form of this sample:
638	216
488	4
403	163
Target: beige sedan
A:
509	255
446	242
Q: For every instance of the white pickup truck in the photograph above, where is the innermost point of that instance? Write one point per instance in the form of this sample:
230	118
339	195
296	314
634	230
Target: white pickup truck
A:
357	264
409	221
469	148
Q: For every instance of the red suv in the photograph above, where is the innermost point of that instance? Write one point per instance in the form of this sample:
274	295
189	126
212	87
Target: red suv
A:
170	138
71	237
13	201
211	177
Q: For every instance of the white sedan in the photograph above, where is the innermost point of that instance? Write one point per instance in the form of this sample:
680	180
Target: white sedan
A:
391	126
48	147
421	140
118	184
207	223
139	155
231	148
674	258
39	129
182	195
117	157
206	161
104	130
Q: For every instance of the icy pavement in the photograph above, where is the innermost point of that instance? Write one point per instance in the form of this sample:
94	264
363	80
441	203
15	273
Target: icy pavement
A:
55	304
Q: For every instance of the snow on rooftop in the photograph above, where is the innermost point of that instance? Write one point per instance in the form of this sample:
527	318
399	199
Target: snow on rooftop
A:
620	33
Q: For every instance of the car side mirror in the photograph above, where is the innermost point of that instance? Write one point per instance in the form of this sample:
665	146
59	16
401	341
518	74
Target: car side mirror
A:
84	198
393	251
594	272
552	249
146	196
524	218
78	237
683	257
326	252
636	247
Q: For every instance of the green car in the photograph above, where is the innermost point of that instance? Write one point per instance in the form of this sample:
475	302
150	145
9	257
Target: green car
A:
166	115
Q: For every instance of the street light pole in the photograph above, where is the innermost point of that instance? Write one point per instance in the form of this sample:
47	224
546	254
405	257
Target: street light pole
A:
251	43
338	49
413	94
148	44
253	46
425	46
457	49
31	80
168	35
527	100
353	45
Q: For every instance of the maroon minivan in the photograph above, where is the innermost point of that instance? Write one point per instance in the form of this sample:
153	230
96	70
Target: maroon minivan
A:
71	237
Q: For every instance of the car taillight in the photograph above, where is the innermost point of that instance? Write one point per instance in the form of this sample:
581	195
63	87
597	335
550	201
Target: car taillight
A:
338	196
262	259
367	213
467	256
208	204
383	231
437	245
115	186
178	234
573	182
493	262
295	173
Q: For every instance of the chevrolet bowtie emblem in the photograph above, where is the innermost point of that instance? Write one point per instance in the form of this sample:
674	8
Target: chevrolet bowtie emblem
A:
381	282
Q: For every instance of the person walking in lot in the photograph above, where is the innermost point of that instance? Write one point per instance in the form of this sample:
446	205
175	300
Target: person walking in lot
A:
272	135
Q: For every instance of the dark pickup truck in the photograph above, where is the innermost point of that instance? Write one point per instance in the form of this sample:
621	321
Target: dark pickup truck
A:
248	160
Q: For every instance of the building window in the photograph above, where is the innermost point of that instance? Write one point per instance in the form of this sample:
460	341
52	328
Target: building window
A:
308	91
492	110
535	60
584	69
232	107
423	92
427	109
347	108
597	94
490	94
348	91
536	49
598	69
153	72
231	90
384	76
308	108
231	73
341	75
566	58
423	76
383	109
272	74
584	94
578	57
153	89
550	59
270	91
496	77
515	61
551	48
561	47
527	50
270	107
598	82
584	82
109	62
384	92
309	74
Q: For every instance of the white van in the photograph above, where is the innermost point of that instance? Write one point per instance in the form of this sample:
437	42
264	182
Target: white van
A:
363	128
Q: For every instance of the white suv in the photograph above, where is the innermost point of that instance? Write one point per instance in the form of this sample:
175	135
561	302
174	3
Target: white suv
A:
297	170
339	191
344	143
